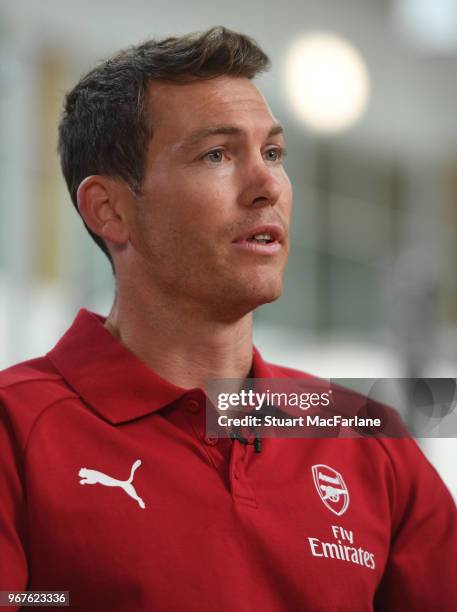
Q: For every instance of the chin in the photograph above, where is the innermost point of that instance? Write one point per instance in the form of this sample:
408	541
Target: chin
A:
268	298
244	303
243	295
265	294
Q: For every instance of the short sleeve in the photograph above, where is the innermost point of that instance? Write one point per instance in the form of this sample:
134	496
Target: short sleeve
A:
421	570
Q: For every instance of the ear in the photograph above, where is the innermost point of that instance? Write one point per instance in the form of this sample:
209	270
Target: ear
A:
102	203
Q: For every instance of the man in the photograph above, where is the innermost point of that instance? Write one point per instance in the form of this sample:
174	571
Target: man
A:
112	489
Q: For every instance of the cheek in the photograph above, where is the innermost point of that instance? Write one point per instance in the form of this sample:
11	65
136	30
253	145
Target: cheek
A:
287	195
192	207
202	203
285	180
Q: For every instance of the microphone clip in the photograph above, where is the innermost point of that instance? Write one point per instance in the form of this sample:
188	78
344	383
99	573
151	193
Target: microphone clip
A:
235	434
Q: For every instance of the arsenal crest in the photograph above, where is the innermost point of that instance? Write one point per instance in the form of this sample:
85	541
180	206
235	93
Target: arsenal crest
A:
331	488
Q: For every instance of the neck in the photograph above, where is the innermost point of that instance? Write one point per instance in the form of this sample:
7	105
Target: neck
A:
182	342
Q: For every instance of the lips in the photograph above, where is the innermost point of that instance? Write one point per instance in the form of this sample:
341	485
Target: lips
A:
273	231
261	240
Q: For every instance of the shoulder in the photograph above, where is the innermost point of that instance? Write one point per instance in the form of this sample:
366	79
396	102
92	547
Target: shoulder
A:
407	468
26	372
415	477
27	389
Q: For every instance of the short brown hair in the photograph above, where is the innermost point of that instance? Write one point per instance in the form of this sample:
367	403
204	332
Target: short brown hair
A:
104	128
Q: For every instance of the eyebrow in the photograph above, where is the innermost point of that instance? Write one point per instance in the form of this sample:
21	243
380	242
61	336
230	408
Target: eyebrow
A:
230	130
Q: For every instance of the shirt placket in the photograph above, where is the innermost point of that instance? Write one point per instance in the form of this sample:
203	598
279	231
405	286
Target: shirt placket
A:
230	458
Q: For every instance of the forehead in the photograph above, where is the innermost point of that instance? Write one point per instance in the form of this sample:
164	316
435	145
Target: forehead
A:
176	110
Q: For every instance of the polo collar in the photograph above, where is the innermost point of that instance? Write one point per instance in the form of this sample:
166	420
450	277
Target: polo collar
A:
111	379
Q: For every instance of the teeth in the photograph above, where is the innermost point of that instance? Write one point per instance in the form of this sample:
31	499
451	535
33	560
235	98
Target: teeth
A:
264	238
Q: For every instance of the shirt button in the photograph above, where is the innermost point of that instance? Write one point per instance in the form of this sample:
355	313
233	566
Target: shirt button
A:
193	406
211	439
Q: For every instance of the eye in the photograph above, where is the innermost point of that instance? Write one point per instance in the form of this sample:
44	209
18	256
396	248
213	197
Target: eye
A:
274	154
215	156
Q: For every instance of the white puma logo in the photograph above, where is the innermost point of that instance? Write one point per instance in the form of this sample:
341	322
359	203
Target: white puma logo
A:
94	477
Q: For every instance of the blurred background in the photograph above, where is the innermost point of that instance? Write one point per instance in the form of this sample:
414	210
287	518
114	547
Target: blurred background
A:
366	91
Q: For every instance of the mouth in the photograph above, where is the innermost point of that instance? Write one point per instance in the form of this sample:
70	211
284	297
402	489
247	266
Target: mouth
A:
264	239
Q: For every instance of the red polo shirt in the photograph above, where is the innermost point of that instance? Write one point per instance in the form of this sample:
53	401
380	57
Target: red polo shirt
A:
111	491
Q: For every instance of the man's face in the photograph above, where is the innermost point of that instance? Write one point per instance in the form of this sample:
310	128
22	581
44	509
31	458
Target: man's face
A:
214	177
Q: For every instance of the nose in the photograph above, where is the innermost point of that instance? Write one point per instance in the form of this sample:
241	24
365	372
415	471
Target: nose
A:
262	185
